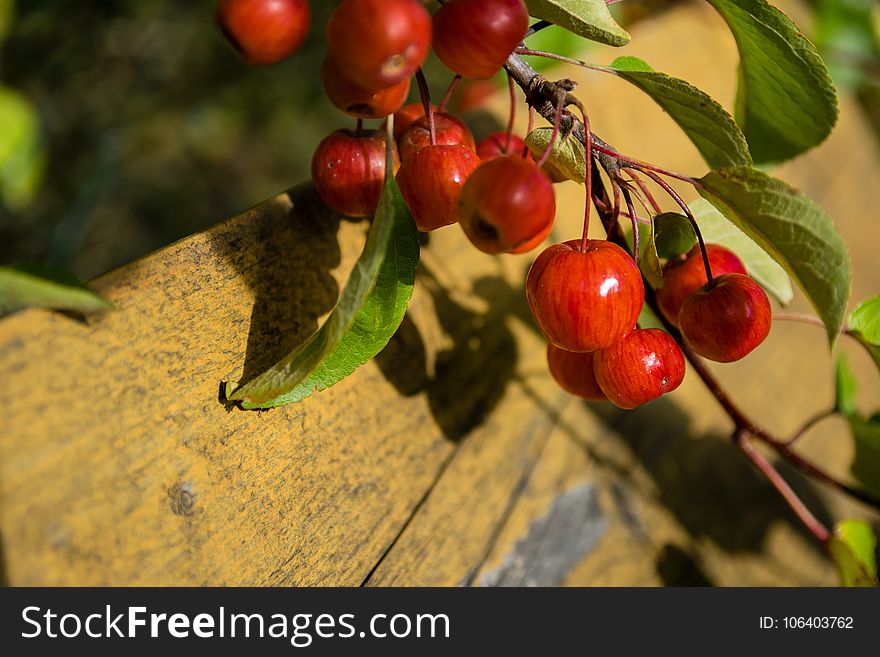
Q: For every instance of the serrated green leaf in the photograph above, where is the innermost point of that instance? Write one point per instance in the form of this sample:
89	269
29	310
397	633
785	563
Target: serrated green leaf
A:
866	461
716	229
22	153
370	308
673	235
40	286
793	229
586	18
567	160
649	261
786	102
864	325
852	547
846	386
706	123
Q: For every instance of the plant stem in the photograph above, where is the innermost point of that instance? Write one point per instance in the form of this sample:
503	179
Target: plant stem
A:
555	134
741	438
425	93
809	424
635	224
451	90
511	86
690	215
588	177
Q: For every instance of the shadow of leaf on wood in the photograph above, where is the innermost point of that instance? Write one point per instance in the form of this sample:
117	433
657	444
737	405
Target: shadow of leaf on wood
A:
675	567
704	480
470	377
286	258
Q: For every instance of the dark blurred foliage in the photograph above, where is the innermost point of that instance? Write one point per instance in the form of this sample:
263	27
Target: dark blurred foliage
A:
152	129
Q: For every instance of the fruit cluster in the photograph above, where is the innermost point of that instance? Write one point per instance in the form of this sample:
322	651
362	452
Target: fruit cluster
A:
586	295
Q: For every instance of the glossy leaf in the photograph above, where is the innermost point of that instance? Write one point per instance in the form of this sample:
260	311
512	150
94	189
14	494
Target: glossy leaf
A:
567	161
673	235
369	310
866	461
586	18
786	102
845	387
852	547
46	287
716	229
793	229
708	125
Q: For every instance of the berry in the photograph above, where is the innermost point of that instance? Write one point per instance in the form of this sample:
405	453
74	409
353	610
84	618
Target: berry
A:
681	278
475	37
448	130
358	102
379	43
264	31
507	206
727	320
585	300
497	144
349	170
431	181
642	366
406	116
574	373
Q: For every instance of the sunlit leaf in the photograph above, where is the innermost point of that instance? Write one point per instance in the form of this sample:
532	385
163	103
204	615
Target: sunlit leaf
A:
22	153
793	229
716	229
864	324
852	547
370	308
586	18
567	160
845	387
708	125
786	102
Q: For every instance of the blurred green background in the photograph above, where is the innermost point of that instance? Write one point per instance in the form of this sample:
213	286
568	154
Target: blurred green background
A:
128	124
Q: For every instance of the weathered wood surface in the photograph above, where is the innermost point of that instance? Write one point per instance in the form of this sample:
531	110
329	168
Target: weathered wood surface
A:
453	458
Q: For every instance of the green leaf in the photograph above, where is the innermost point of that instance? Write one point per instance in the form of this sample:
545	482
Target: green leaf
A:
586	18
368	312
567	161
649	261
673	235
46	287
793	229
866	461
864	324
846	387
716	229
708	125
852	547
22	153
786	102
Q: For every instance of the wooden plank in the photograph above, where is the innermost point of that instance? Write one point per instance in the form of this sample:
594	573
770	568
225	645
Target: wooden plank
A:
119	465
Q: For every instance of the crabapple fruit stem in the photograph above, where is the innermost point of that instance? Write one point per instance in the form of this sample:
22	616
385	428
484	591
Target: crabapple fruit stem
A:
425	94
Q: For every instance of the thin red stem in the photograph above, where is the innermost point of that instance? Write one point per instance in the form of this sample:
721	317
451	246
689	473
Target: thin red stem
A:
588	178
644	167
511	86
809	424
635	224
645	190
451	90
741	437
425	93
690	215
555	134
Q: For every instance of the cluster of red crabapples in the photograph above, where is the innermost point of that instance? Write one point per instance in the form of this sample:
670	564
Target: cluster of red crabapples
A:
586	295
